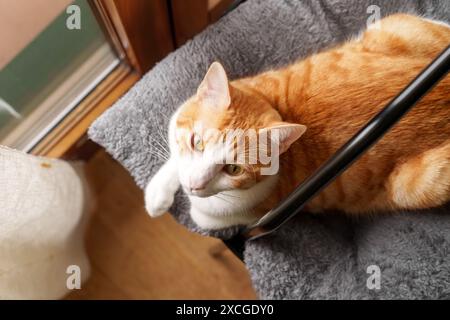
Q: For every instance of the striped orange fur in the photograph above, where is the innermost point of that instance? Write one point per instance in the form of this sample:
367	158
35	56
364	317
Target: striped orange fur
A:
333	94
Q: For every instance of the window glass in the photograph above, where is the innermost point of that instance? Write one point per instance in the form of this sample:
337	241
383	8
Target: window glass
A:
52	54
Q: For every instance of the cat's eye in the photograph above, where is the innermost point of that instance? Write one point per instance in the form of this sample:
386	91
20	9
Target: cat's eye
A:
233	169
196	142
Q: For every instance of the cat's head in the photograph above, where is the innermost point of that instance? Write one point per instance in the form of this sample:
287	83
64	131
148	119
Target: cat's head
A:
228	138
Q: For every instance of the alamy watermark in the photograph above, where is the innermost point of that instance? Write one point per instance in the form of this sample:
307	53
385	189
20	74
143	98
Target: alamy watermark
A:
373	21
73	21
73	281
374	280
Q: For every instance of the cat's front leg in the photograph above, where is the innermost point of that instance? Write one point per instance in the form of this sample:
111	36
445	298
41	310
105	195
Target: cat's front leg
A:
160	191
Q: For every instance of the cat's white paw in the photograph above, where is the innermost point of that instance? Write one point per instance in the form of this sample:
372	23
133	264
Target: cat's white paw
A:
158	199
160	192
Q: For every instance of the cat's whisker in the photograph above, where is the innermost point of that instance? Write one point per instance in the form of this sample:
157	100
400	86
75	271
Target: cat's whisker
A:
230	195
160	155
161	141
162	135
162	149
165	116
158	147
226	200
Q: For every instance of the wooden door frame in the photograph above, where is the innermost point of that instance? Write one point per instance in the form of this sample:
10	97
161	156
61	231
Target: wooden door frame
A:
140	29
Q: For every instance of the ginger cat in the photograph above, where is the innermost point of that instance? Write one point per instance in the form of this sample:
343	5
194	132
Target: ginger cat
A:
315	106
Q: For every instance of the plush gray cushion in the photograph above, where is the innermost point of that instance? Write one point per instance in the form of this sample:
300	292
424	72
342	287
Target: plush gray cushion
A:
313	256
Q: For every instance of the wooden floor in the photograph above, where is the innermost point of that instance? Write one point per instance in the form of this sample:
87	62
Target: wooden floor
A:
136	257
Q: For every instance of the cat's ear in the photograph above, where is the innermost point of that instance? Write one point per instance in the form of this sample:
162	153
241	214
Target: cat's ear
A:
214	90
285	134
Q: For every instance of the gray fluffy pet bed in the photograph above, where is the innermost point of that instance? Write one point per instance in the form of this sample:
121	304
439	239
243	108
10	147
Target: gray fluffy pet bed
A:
313	257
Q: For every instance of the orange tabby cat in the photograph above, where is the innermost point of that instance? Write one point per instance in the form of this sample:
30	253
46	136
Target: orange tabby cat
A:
316	104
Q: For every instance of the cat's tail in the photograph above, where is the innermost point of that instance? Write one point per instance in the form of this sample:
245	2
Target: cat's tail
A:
422	181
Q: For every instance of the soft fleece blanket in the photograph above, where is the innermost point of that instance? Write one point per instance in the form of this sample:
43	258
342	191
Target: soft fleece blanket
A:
397	256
